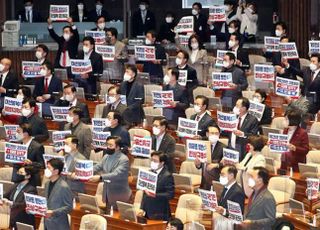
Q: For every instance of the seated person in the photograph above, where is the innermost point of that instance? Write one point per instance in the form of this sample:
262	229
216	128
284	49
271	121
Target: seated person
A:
174	224
115	104
261	96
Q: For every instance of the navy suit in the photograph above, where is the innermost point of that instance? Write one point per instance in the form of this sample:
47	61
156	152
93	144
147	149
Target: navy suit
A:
140	28
36	17
38	126
204	123
243	56
54	87
200	26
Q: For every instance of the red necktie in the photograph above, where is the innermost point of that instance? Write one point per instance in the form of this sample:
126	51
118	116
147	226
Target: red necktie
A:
197	118
46	85
239	124
64	55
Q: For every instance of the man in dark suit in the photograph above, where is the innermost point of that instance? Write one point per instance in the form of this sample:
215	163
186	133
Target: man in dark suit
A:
156	206
239	81
202	117
210	170
38	126
16	196
100	24
68	44
80	14
180	97
69	99
248	125
200	22
8	80
134	92
242	55
192	80
261	212
59	197
115	104
89	80
143	20
34	155
98	12
28	14
163	141
232	190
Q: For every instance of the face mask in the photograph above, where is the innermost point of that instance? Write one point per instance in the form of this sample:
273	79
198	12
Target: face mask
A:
142	7
43	72
169	19
19	136
231	43
110	151
26	112
223	180
148	42
313	67
195	46
255	99
225	64
178	61
236	110
231	30
67	148
28	8
98	7
86	49
154	165
166	79
156	131
66	36
19	178
20	97
80	7
126	77
108	123
38	55
69	97
69	119
278	33
194	12
213	139
101	25
1	67
47	173
197	108
251	182
112	100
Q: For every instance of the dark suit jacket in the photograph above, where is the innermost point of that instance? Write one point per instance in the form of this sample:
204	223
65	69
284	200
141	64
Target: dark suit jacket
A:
156	69
55	87
11	84
134	112
38	126
192	81
138	28
17	211
203	124
72	45
168	147
75	15
166	32
158	207
243	56
200	26
276	60
120	109
93	15
36	16
84	108
35	154
235	194
267	116
121	132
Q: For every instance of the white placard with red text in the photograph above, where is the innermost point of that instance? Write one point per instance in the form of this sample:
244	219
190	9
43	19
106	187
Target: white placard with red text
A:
289	50
221	80
162	99
271	44
31	69
98	36
79	66
59	13
217	14
287	88
200	149
108	53
185	25
264	73
230	156
278	142
141	146
12	106
35	205
145	53
15	153
312	188
235	212
209	199
187	127
147	180
227	121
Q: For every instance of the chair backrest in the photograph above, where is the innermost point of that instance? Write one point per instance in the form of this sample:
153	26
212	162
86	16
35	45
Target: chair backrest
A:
138	132
96	156
256	59
99	194
188	208
104	88
200	90
98	110
6	173
189	112
141	162
248	94
313	157
274	155
304	62
315	128
22	226
188	167
148	92
80	93
150	110
278	123
138	199
4	216
280	185
93	222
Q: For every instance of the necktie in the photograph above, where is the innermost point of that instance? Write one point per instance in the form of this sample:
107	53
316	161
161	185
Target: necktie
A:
112	108
239	124
224	192
64	54
197	118
313	76
46	85
30	17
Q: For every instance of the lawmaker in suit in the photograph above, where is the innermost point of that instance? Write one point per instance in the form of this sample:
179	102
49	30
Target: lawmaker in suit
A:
261	212
34	154
210	170
143	20
100	24
38	125
98	12
134	92
156	206
8	80
16	196
163	141
115	104
248	125
114	168
260	96
180	99
200	21
80	14
204	120
89	80
28	14
242	55
239	81
80	130
59	197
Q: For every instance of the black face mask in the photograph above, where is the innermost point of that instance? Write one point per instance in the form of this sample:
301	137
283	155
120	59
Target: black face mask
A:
19	178
110	151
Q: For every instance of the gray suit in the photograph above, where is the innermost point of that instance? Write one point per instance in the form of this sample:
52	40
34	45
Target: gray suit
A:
60	202
114	172
262	211
83	133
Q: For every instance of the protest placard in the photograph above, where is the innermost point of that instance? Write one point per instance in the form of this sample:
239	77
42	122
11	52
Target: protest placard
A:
147	180
98	36
314	47
183	77
264	73
312	188
271	44
288	50
217	14
15	153
99	139
278	142
31	69
83	169
220	55
187	127
184	40
99	124
59	113
79	66
58	138
11	132
162	99
235	212
287	88
35	205
59	12
209	199
221	80
230	156
108	53
141	146
145	53
185	25
200	149
256	109
12	106
227	121
123	99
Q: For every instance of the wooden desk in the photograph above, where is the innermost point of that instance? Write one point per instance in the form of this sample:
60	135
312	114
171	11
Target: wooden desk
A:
299	223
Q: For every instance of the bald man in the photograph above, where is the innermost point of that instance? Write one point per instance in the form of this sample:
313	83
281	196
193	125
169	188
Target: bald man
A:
8	80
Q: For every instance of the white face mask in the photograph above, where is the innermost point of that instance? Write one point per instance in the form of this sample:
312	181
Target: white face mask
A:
156	131
80	7
148	42
43	72
86	49
47	173
313	67
101	25
166	79
169	19
69	119
251	182
223	180
195	45
213	139
66	36
98	7
20	97
194	12
231	43
154	165
69	97
225	64
38	55
278	33
108	123
236	110
1	67
178	61
142	7
255	99
28	8
26	112
231	30
112	100
19	136
126	77
67	148
197	108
